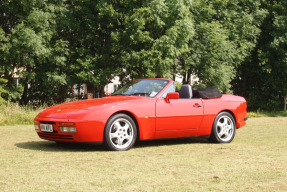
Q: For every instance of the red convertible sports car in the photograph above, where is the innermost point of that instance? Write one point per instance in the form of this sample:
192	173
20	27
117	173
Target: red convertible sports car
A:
144	109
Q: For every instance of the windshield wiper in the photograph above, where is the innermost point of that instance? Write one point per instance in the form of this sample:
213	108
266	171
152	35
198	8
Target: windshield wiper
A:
118	94
141	94
132	94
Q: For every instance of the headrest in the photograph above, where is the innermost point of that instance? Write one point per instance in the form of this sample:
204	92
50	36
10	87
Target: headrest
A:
185	92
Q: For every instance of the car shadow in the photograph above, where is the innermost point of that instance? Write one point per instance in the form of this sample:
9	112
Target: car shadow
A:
173	141
51	146
60	147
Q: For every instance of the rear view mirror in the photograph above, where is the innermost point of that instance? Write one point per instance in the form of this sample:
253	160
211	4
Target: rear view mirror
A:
173	95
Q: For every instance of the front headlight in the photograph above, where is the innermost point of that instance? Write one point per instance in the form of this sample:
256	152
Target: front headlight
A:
68	129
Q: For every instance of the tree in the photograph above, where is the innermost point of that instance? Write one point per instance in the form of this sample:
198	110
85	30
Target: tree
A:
34	49
235	46
93	55
156	34
225	34
128	38
2	90
262	77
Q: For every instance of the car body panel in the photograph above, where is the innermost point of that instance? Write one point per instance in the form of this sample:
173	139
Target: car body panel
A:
154	116
179	114
234	104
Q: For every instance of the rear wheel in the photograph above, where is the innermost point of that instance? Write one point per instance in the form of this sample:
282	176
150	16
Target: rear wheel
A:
223	129
120	133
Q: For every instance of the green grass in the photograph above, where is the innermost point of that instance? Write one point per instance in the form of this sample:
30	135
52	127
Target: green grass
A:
254	161
13	114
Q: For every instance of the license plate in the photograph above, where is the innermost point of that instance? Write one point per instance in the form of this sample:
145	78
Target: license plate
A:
47	127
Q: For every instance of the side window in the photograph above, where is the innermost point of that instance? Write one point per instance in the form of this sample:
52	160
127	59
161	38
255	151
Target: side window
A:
170	89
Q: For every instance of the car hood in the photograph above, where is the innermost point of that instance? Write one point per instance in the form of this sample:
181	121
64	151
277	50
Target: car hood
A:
78	109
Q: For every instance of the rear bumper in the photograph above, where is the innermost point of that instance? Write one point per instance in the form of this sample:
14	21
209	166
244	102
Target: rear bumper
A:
87	131
242	123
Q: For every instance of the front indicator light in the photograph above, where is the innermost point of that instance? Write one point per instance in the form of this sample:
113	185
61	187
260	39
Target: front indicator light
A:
67	124
36	125
68	129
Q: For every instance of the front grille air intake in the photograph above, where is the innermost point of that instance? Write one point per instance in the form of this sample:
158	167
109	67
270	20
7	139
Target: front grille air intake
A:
53	136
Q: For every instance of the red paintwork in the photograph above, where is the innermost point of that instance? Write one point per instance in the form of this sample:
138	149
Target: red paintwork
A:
155	117
171	96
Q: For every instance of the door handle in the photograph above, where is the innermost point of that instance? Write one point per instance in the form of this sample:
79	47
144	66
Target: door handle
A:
197	105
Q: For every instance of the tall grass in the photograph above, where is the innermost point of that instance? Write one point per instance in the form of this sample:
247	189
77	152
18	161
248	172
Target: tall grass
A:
13	114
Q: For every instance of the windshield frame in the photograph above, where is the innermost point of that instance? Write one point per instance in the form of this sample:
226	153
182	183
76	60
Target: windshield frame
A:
143	87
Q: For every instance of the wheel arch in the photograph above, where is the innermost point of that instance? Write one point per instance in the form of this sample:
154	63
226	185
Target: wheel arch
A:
214	137
130	115
231	113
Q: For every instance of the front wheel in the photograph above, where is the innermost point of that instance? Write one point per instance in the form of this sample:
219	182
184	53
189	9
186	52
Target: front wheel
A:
223	129
120	133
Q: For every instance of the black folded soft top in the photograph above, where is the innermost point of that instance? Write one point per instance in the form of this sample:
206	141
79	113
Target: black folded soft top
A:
206	93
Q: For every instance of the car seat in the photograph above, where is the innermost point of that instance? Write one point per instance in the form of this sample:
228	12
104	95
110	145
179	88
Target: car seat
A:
185	92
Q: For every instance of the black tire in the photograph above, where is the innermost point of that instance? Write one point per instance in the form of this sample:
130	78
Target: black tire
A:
120	133
223	129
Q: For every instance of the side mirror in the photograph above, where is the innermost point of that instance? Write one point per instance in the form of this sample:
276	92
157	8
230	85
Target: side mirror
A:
169	96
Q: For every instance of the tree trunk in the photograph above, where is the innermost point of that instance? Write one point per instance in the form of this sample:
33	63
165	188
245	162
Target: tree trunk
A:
102	91
285	102
24	98
99	91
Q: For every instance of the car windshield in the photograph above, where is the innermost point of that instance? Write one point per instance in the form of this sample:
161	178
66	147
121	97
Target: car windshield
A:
147	88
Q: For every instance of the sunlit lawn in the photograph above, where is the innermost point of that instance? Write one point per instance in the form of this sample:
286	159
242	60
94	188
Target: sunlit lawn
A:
255	161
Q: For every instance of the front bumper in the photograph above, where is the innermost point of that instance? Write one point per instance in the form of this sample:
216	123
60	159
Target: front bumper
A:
87	131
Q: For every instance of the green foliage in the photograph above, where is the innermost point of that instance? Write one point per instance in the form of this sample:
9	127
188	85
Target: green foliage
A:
2	90
156	34
3	51
262	77
210	57
94	54
226	32
34	51
237	46
178	85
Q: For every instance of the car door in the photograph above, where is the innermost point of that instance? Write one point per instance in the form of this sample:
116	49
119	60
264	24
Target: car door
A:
178	114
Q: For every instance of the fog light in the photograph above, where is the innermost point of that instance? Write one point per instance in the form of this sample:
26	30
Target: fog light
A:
68	129
36	125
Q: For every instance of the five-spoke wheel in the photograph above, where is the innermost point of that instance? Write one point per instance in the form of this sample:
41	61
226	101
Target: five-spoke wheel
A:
223	130
120	133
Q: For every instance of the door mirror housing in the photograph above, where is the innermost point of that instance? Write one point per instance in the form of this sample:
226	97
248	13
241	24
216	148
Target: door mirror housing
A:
173	95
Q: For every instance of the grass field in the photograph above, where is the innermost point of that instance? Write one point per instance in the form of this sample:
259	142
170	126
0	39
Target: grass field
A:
255	161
